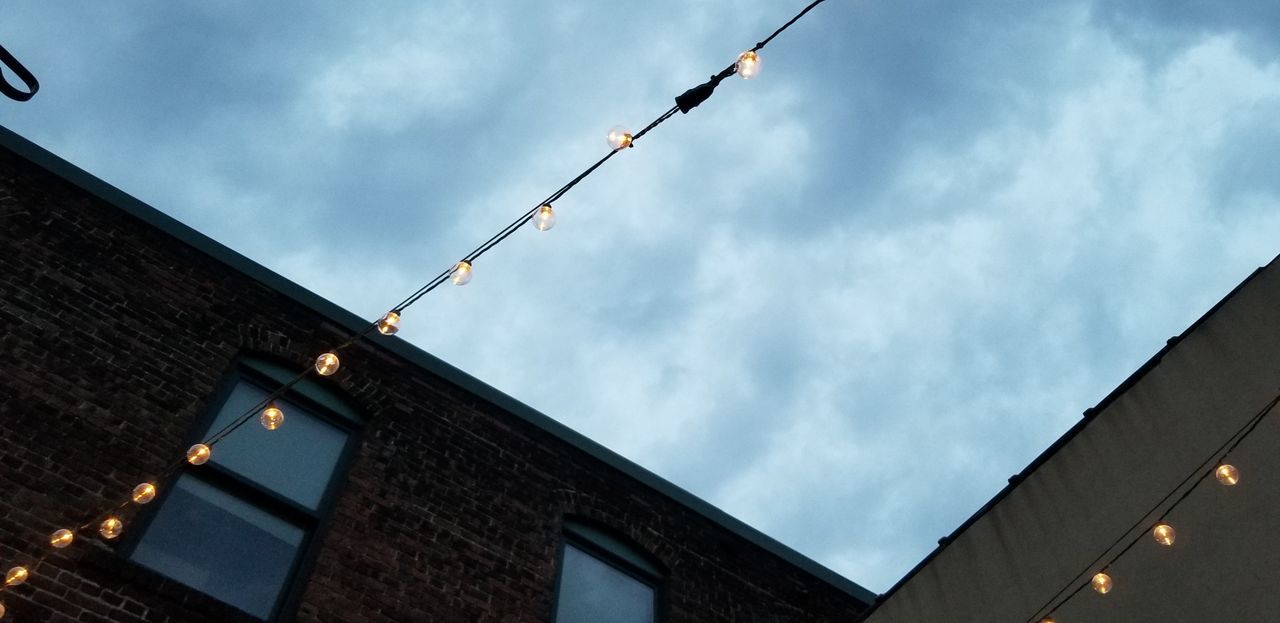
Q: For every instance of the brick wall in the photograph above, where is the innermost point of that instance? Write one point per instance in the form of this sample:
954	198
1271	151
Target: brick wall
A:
114	337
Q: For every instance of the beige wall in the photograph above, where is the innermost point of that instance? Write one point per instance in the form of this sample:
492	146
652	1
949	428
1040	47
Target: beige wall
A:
1225	565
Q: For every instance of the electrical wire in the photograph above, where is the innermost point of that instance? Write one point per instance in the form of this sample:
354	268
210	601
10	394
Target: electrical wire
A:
1214	459
766	40
684	104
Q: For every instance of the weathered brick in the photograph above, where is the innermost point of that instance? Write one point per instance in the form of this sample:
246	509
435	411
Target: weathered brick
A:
115	335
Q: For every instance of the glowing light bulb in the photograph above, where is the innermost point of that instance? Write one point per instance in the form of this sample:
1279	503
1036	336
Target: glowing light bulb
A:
272	417
1047	620
1	611
545	218
110	528
1101	583
748	65
619	138
327	364
461	274
144	493
1227	474
389	323
62	538
198	454
15	576
1164	534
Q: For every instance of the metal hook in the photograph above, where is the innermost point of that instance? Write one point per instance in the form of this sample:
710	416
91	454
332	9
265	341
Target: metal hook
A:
23	74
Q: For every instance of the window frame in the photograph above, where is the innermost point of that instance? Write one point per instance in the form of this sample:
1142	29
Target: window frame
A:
616	551
321	402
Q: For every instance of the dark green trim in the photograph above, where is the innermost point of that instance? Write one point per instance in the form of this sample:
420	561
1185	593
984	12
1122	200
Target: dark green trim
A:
260	372
312	390
588	548
339	316
605	540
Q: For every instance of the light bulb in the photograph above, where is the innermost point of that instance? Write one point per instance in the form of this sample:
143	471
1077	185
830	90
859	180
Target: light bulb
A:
1101	583
389	323
545	218
748	65
15	576
61	538
1227	474
144	493
1	611
1164	534
1047	620
110	528
619	138
198	454
272	417
327	364
461	274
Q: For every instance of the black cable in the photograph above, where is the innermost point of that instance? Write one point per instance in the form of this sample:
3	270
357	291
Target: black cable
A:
703	92
515	225
1217	457
787	25
656	122
252	411
684	103
430	285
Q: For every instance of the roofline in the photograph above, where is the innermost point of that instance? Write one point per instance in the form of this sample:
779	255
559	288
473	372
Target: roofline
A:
416	356
1090	415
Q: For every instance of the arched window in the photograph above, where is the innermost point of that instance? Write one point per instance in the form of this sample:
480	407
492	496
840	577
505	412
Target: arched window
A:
604	578
240	527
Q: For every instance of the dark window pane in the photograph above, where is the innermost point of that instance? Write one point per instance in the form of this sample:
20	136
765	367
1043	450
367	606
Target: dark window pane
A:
217	543
296	461
592	591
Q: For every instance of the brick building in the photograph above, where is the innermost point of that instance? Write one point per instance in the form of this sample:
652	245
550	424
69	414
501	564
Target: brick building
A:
400	489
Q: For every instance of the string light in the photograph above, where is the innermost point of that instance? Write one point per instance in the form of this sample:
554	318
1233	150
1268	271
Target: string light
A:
619	138
16	576
389	323
61	538
1101	583
110	528
327	364
545	218
461	274
748	65
144	493
1227	475
1162	532
272	417
198	454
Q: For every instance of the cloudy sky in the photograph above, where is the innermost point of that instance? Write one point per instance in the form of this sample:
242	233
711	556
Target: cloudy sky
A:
843	301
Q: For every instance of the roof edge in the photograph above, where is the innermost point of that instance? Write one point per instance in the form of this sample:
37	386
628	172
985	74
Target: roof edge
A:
1089	415
183	233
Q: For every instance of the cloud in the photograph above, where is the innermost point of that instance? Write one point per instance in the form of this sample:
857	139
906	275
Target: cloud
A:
414	69
844	300
1038	266
1157	31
